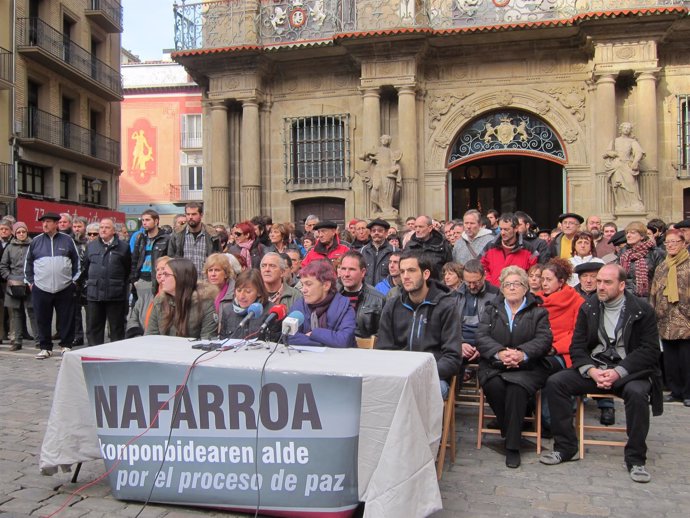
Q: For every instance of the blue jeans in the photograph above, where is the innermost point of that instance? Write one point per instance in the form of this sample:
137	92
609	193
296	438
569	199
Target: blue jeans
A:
445	388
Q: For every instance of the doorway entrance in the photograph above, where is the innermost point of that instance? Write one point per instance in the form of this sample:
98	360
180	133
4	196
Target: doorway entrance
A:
508	183
325	208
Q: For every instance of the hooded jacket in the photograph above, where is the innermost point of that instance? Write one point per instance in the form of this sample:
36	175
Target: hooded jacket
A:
202	320
461	250
563	306
531	334
431	327
495	258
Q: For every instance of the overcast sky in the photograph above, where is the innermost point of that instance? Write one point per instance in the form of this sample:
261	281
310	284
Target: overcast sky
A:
148	28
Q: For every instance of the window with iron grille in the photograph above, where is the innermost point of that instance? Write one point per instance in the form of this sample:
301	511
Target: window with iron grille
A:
317	152
191	131
684	136
30	178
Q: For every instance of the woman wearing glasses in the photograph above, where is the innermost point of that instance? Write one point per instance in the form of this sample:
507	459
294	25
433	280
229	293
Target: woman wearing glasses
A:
512	338
247	244
12	271
184	308
670	298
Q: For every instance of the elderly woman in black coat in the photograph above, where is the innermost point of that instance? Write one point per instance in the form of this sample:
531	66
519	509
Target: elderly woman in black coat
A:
513	337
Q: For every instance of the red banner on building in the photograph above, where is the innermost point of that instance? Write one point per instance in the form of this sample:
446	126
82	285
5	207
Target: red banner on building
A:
29	211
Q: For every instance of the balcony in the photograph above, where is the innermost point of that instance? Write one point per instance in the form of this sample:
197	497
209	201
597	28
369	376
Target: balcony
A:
191	140
235	23
46	132
41	42
5	69
107	14
184	193
6	179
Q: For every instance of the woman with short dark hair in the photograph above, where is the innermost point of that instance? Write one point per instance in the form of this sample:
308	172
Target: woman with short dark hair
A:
329	319
249	289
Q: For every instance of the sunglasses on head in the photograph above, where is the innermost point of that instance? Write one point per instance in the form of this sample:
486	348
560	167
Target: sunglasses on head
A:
237	234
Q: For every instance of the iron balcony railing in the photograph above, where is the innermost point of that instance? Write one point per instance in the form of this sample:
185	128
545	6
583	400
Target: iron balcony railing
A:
5	65
229	23
111	9
34	32
191	140
185	193
6	179
44	126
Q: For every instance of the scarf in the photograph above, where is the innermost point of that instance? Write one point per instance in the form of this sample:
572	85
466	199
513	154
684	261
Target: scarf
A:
638	255
275	297
220	296
671	289
318	311
244	251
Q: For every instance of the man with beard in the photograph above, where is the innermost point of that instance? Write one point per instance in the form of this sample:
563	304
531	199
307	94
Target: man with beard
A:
473	240
194	241
423	318
377	252
532	241
507	250
151	244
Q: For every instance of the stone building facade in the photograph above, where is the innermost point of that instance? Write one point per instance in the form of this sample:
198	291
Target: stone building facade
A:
65	105
492	103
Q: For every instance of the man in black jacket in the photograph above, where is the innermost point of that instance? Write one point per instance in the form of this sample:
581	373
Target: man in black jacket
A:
429	240
377	252
364	299
150	245
106	269
615	349
423	318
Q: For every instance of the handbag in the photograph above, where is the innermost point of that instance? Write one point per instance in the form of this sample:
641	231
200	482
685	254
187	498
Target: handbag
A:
18	289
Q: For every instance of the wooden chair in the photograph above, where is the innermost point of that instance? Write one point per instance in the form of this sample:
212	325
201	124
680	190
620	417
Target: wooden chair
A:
468	391
448	438
583	428
366	343
483	416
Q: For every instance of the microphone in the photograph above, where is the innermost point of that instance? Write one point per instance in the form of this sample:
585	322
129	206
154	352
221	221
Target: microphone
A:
253	311
277	312
292	322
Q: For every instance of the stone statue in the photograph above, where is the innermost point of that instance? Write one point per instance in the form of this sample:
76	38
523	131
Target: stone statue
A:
622	165
383	176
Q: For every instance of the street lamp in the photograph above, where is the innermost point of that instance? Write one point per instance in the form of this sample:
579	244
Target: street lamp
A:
96	186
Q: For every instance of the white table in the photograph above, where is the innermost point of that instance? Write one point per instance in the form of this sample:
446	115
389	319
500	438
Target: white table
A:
400	422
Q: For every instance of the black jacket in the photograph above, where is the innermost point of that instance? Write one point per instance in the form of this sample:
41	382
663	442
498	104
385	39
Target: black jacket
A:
256	253
537	246
432	327
368	312
106	270
159	249
436	247
531	334
640	339
377	261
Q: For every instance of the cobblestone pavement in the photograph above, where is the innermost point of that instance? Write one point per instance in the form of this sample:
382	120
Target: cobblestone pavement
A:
477	485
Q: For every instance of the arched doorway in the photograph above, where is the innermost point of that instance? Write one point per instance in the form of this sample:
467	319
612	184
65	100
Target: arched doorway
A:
507	160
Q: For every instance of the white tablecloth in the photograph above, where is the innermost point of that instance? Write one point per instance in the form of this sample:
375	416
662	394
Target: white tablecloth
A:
400	424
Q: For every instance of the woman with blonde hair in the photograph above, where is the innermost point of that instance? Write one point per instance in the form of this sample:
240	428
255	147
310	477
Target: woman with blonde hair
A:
219	273
138	320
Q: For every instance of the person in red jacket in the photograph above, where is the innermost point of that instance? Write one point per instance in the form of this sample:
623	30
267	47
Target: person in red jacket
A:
507	250
562	302
328	245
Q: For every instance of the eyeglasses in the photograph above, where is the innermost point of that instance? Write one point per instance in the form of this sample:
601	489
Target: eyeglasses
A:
512	285
166	274
92	234
673	242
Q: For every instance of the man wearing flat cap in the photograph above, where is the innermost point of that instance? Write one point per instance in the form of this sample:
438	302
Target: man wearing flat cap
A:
562	244
587	277
328	246
377	252
51	270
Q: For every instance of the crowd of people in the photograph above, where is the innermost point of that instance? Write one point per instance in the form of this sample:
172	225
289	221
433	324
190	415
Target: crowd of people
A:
575	310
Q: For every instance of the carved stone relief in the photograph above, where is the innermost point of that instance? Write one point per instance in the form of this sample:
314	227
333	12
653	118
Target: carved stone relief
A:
572	98
439	106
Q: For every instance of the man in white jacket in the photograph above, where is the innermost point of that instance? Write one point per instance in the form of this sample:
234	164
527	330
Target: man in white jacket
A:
473	240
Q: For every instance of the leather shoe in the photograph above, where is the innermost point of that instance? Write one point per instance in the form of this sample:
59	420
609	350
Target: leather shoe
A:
77	343
608	416
513	458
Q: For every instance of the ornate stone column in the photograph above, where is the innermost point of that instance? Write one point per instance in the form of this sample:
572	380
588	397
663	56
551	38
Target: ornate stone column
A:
251	160
604	134
646	131
219	207
371	131
407	131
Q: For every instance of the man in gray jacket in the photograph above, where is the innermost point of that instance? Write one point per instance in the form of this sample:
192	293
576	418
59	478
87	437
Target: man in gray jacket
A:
473	239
